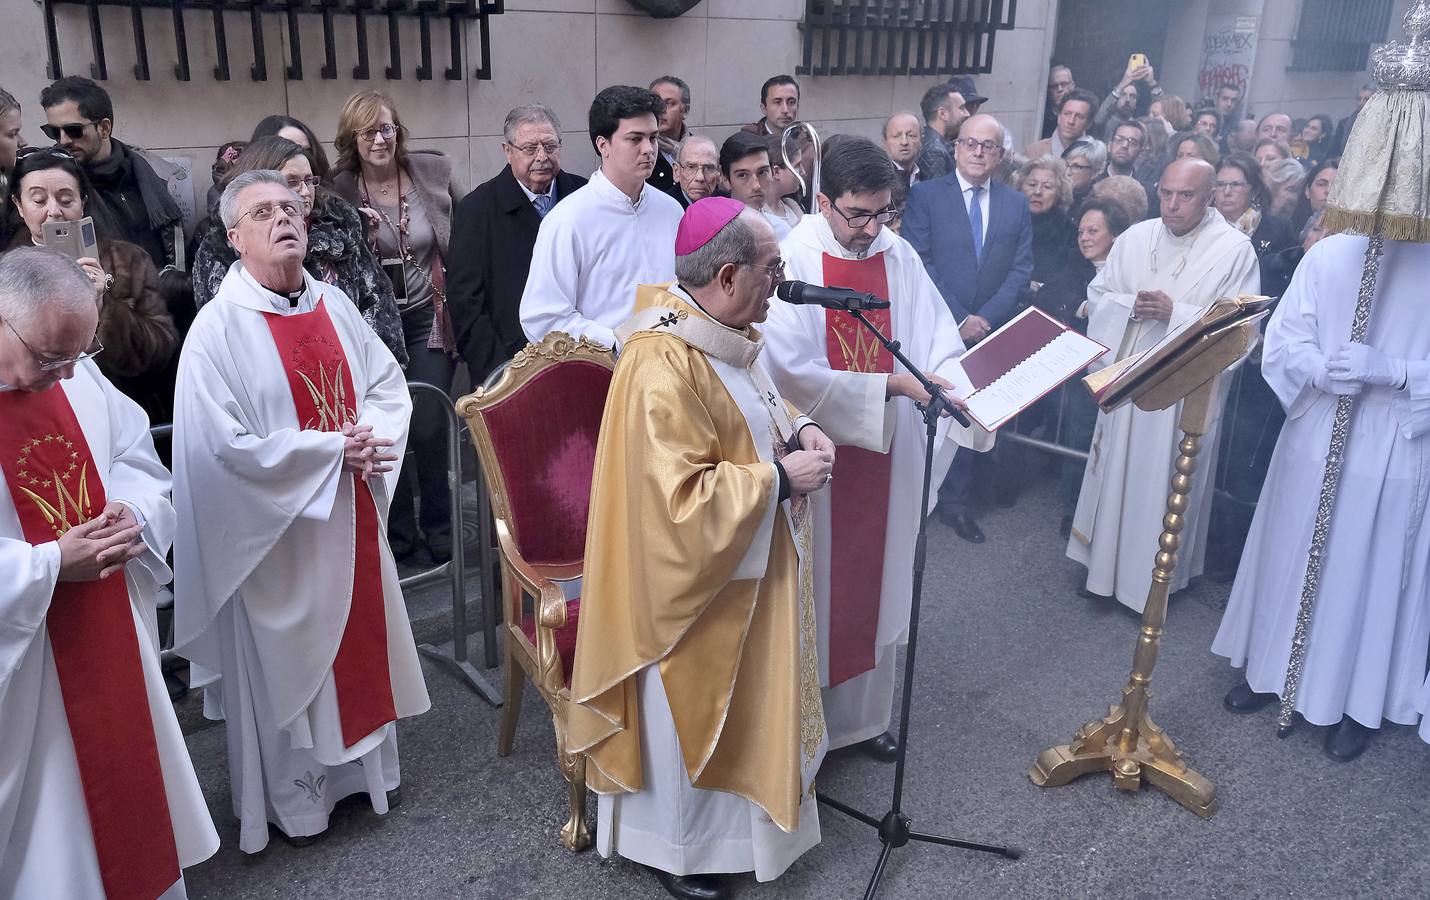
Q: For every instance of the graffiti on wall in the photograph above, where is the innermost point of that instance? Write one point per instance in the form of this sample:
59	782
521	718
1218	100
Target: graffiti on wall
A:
1228	51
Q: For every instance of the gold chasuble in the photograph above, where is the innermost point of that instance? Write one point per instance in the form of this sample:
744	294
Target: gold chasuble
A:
692	563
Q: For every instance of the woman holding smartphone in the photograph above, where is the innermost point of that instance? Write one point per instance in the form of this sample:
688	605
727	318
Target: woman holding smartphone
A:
410	195
136	331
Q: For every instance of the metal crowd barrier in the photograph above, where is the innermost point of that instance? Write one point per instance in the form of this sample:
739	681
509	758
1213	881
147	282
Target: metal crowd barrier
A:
1019	432
453	654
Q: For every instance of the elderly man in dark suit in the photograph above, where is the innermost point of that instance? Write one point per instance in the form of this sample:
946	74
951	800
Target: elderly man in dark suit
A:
493	233
975	236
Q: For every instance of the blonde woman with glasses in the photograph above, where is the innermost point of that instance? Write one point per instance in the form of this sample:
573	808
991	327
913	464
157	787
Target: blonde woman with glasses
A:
411	194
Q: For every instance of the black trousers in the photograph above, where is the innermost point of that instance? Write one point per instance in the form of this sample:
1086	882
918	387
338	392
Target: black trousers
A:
424	474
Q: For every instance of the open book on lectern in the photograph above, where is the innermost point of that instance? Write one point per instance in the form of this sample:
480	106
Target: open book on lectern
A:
1015	366
1123	379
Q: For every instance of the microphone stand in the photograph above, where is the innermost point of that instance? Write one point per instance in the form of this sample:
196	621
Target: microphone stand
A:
895	827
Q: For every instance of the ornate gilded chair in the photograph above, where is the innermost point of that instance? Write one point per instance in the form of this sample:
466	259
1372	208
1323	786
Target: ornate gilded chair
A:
535	432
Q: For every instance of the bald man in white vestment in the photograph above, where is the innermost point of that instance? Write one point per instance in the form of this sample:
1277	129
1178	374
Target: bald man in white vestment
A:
98	797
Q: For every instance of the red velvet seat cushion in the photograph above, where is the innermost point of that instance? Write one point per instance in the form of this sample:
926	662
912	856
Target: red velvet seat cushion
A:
565	637
545	439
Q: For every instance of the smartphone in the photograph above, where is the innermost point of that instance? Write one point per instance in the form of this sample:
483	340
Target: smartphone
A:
74	239
1136	61
397	274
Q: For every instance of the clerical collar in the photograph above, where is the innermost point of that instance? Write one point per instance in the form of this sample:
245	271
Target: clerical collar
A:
1185	243
684	293
291	299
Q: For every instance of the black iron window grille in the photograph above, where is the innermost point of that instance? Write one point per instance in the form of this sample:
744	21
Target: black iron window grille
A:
351	17
1336	35
902	37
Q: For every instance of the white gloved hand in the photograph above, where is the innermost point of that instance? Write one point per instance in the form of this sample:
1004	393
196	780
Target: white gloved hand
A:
1359	362
1324	381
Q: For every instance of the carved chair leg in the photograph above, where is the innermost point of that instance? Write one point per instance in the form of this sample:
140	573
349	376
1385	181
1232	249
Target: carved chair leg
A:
511	708
574	834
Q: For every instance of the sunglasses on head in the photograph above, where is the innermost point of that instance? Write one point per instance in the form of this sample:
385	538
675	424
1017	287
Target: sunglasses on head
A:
72	130
37	150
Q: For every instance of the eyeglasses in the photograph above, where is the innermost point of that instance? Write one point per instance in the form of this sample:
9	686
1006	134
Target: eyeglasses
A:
859	220
1123	141
312	181
36	150
54	365
529	150
709	170
266	211
368	135
1231	185
1079	167
72	130
973	145
776	269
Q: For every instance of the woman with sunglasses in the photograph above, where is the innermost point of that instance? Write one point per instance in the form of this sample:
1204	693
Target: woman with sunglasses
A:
338	253
411	194
135	327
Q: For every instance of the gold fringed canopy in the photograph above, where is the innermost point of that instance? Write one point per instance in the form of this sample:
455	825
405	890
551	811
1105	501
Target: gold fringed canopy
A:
1383	186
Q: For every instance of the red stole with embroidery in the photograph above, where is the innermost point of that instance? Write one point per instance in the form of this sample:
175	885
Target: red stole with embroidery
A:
323	396
55	485
859	495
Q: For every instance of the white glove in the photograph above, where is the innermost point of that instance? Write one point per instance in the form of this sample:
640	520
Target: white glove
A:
1359	362
1324	381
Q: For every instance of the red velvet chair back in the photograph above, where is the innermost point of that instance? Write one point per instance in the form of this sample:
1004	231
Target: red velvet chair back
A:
541	422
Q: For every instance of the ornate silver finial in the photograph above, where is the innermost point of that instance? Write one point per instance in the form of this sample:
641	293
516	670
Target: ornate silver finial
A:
1406	67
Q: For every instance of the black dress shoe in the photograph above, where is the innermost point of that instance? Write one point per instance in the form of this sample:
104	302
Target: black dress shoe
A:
964	526
691	887
440	549
883	748
299	842
1347	740
1242	699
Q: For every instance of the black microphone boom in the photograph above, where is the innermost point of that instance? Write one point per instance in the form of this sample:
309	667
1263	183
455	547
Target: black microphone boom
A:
828	297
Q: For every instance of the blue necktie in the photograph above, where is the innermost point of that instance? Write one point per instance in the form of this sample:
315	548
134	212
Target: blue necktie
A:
975	219
542	204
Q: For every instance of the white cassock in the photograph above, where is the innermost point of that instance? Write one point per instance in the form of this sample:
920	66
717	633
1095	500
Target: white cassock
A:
851	408
46	848
264	558
1366	653
1118	521
592	251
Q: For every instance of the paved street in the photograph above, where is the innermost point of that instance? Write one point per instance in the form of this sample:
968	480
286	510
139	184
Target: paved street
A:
1012	661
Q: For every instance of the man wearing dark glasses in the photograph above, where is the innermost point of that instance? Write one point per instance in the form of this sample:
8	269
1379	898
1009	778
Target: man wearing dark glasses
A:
137	190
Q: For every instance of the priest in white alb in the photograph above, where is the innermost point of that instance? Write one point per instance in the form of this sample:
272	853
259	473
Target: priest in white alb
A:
825	361
1364	660
617	232
1161	274
288	431
695	687
97	794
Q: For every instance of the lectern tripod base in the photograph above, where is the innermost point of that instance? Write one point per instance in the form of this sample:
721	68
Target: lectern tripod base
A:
1128	744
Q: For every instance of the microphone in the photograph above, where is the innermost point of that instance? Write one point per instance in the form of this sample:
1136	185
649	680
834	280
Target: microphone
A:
828	297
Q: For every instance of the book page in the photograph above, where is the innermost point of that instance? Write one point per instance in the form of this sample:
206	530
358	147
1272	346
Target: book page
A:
1033	377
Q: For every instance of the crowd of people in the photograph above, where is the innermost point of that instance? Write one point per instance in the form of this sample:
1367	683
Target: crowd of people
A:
709	680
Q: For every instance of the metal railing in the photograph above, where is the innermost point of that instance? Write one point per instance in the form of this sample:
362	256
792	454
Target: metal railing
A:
452	654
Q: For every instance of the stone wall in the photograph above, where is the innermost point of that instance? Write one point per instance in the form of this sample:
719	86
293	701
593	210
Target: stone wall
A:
560	52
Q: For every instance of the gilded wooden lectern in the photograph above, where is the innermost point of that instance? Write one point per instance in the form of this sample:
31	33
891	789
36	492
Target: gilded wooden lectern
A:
1185	366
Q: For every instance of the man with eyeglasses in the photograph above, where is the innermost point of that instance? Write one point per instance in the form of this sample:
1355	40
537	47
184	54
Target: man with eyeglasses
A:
494	232
695	687
289	425
1060	84
675	94
99	797
144	196
1160	274
824	361
614	234
975	236
697	169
